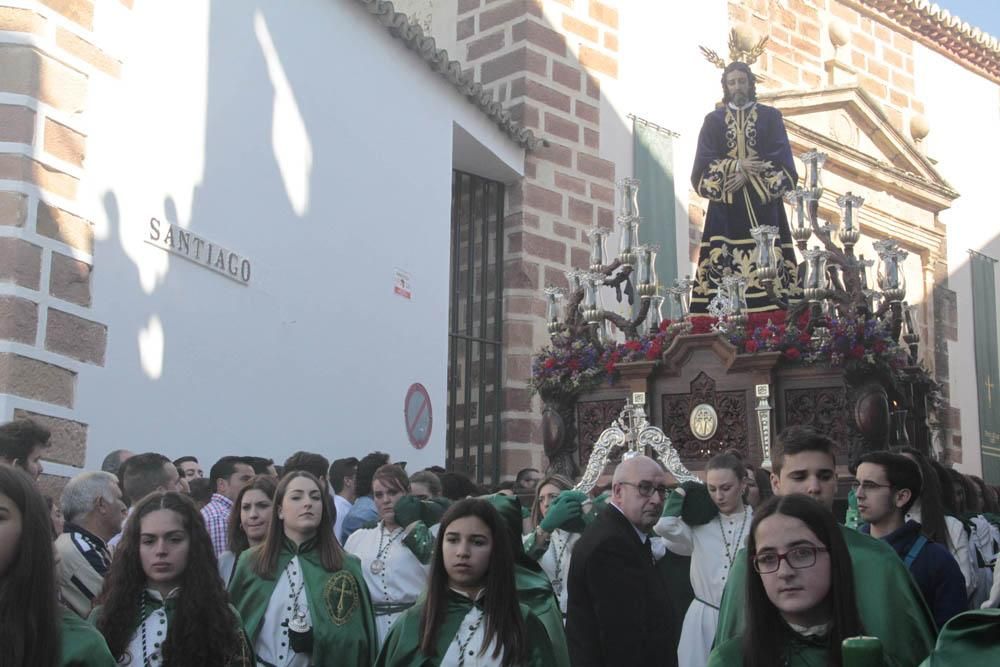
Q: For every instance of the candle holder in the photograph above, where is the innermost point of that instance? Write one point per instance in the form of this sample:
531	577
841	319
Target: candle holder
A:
598	253
849	205
552	297
891	279
585	314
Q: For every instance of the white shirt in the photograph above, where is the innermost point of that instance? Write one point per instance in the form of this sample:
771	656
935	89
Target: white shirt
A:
156	633
402	579
555	562
713	548
343	506
469	638
707	544
272	643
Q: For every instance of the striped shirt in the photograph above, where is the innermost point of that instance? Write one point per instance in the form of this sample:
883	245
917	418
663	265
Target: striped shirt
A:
216	515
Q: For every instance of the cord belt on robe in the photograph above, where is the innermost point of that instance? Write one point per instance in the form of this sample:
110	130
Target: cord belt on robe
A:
388	608
707	604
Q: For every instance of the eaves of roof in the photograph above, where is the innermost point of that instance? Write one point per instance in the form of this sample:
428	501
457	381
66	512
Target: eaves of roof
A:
938	29
412	35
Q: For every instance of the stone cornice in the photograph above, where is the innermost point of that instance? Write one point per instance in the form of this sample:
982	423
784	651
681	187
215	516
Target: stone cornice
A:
919	181
412	35
937	29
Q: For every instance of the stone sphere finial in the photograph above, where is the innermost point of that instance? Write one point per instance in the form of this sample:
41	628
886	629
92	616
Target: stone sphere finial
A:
839	34
919	129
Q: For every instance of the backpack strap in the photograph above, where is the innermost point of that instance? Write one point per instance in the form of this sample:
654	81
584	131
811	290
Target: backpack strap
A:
918	546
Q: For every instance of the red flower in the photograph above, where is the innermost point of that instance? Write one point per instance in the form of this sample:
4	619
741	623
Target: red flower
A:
574	364
879	346
751	346
633	345
549	363
857	351
804	337
792	354
654	350
664	324
609	367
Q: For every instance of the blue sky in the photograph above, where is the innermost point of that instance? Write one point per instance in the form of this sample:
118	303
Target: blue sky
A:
983	14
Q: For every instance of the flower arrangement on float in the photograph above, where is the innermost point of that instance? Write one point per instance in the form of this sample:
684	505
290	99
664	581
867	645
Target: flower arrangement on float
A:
569	367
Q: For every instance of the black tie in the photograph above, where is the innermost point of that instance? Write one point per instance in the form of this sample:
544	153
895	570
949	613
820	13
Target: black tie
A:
648	547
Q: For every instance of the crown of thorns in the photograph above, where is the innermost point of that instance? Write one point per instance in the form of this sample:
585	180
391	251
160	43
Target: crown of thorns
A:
736	53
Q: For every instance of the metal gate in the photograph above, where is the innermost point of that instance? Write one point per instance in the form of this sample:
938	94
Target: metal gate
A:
475	327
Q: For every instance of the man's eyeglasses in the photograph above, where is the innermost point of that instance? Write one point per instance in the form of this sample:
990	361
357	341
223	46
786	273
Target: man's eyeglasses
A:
798	558
869	487
646	489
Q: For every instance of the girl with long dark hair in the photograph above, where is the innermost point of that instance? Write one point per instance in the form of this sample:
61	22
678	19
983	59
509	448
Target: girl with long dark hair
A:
557	522
958	535
36	630
395	555
163	602
248	521
303	600
470	616
712	542
800	601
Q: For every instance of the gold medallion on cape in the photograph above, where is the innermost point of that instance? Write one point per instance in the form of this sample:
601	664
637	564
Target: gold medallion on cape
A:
704	421
341	596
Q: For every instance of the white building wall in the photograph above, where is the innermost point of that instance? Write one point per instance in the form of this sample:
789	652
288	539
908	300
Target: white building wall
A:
964	138
309	140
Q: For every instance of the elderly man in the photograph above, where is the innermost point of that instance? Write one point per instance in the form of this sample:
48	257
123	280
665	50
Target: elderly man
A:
618	613
94	511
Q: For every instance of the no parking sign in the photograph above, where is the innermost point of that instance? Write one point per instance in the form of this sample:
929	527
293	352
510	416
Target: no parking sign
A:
418	415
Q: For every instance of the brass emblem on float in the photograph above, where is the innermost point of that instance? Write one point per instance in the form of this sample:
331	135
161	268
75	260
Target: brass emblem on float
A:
342	596
704	421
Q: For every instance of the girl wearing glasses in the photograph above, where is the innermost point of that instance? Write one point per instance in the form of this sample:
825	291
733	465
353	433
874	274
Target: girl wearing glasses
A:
799	592
709	523
470	616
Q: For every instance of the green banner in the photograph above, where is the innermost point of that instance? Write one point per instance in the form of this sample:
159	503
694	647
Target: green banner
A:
984	318
653	165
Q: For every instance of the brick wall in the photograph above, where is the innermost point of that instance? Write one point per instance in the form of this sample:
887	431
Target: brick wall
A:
799	45
49	54
544	59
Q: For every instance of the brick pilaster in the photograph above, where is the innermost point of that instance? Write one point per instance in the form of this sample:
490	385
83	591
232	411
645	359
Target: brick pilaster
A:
544	59
47	62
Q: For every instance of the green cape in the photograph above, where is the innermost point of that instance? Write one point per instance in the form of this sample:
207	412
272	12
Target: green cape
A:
889	601
533	586
805	654
402	645
344	631
82	644
972	638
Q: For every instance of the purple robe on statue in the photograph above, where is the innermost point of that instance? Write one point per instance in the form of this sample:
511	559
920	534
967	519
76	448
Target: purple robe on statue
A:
729	134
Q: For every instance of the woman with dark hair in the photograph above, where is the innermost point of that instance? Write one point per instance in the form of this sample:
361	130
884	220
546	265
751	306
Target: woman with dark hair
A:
758	486
958	536
163	602
36	630
395	555
935	512
248	521
982	534
470	615
800	601
302	599
712	540
557	522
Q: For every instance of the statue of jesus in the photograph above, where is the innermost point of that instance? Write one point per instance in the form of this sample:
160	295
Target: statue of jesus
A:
743	167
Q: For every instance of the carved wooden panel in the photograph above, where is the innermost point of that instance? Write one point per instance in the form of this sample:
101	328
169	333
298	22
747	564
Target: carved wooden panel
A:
731	408
592	417
823	408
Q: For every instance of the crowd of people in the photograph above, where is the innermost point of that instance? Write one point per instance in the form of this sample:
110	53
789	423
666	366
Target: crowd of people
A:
149	562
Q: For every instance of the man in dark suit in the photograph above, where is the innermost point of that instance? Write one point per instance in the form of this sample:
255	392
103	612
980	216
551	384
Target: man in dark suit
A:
618	614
